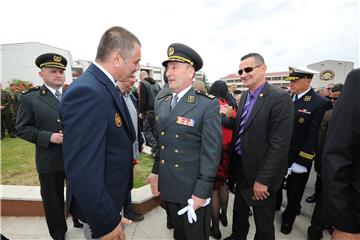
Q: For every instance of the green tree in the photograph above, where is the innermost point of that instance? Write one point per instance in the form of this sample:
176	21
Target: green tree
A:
206	82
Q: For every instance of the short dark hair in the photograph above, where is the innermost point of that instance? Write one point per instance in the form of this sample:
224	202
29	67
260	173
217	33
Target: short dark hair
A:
337	87
258	58
219	89
116	38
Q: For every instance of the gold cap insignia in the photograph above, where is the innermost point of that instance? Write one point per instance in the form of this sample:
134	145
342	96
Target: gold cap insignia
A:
301	120
57	58
118	120
171	51
190	99
307	98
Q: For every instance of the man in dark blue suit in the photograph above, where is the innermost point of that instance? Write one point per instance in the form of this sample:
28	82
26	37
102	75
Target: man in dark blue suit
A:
99	136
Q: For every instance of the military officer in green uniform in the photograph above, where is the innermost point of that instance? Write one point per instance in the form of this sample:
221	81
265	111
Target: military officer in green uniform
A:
189	136
14	102
38	122
6	117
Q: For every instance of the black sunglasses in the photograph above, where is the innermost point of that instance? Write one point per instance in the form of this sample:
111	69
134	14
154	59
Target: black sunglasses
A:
247	70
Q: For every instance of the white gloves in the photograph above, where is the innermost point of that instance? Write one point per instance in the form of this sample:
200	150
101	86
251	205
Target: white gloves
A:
296	168
190	210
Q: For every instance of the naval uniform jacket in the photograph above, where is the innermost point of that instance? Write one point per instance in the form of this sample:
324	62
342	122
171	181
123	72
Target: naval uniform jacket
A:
189	139
37	119
309	110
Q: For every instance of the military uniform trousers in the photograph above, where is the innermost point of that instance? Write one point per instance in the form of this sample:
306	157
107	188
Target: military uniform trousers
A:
52	194
183	230
263	214
295	183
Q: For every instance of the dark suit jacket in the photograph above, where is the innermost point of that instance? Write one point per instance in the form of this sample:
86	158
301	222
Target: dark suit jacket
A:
341	160
37	119
98	138
188	155
309	110
265	139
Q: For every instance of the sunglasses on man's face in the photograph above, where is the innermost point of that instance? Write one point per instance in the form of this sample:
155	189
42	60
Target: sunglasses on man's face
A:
247	69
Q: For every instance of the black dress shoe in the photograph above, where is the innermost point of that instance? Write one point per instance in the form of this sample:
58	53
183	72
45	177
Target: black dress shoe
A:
312	198
215	233
137	217
223	220
286	228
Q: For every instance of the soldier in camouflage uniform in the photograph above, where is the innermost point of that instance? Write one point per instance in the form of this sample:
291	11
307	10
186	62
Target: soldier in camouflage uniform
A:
14	96
6	118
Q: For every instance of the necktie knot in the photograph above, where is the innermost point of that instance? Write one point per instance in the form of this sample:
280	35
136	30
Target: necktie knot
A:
174	101
296	97
58	94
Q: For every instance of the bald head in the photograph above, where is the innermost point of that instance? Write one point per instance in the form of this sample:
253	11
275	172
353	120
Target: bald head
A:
143	75
199	85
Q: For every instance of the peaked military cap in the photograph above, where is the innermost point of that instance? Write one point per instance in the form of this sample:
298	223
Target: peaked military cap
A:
178	52
296	73
51	60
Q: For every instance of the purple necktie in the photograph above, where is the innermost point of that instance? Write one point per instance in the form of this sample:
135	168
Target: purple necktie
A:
243	120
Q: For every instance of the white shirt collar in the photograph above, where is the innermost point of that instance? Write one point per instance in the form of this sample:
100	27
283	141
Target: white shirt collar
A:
303	93
182	93
106	73
53	90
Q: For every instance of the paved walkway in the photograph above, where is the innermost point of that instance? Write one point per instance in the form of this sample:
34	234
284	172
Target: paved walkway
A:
154	225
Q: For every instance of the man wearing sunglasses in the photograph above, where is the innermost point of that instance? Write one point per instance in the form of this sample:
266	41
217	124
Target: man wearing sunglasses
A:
261	136
309	110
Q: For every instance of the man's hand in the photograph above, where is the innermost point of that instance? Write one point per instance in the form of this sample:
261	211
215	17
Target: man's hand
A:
118	232
2	107
260	191
57	138
198	202
340	235
153	179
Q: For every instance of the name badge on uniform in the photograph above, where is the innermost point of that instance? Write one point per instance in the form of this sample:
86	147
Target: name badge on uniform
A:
185	121
118	120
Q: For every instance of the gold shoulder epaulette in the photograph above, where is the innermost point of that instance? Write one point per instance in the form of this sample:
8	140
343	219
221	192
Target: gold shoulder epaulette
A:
201	93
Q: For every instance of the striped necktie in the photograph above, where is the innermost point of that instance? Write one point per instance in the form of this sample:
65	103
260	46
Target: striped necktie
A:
58	95
174	101
242	125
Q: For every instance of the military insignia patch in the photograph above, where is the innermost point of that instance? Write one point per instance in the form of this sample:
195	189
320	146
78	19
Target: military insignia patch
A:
185	121
57	58
190	99
307	98
171	51
301	120
118	120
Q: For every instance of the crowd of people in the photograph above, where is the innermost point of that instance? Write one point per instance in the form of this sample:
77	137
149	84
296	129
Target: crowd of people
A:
253	143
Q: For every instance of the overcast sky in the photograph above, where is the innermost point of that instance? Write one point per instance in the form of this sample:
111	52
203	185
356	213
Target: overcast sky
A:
286	33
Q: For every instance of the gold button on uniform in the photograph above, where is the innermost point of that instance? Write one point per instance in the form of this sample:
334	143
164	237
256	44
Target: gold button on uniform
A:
58	120
162	133
176	151
60	131
162	147
162	161
176	136
176	165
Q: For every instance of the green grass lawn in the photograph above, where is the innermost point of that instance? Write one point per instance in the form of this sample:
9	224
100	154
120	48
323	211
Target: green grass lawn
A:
18	164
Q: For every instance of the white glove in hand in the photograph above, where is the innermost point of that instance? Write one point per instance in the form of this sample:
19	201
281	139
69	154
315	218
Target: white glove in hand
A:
190	210
297	168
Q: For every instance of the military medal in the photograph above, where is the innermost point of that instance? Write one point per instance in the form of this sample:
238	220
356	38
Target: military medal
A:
118	120
185	121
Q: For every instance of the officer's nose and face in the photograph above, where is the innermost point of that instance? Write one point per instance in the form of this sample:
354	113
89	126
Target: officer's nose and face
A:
179	75
299	85
53	77
250	72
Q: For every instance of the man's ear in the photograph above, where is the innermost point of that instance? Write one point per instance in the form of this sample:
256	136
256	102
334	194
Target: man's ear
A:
116	58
